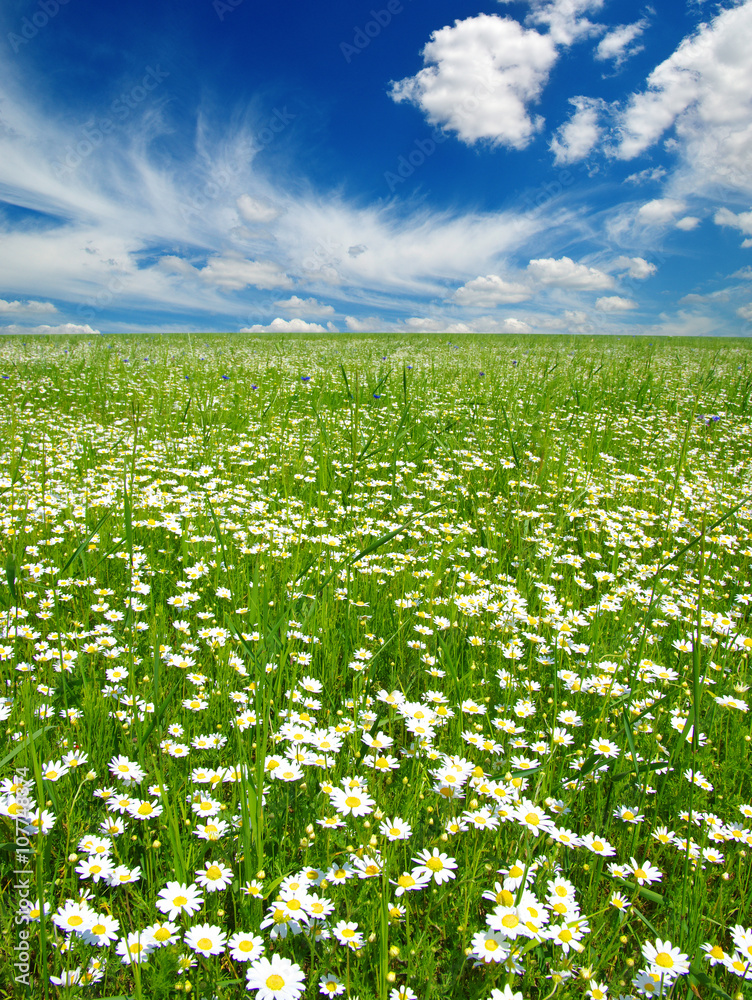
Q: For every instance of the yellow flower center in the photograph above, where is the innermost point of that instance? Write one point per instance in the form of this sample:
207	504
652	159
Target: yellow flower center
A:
275	982
664	960
204	943
510	920
246	946
75	920
213	872
435	864
179	901
352	801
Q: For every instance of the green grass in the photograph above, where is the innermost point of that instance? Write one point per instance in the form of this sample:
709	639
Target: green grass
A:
494	552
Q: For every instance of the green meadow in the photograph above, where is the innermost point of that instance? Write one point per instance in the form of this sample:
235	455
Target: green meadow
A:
375	666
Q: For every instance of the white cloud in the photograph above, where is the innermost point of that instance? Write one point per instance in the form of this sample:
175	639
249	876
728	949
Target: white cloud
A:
575	139
704	90
489	291
565	273
683	324
688	223
659	211
479	78
647	175
65	329
742	222
745	311
617	43
256	211
230	272
614	303
484	324
115	220
22	308
280	325
423	324
369	324
635	267
565	19
308	307
513	325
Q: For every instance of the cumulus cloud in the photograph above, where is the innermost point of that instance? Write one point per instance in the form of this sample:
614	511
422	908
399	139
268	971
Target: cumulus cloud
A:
565	19
514	325
22	308
425	324
368	324
65	329
742	222
479	78
575	139
745	311
307	307
659	211
565	273
229	272
484	324
614	303
704	90
256	211
489	291
617	44
647	175
280	325
635	267
688	223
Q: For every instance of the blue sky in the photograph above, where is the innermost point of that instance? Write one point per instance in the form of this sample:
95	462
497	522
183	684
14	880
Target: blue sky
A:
542	166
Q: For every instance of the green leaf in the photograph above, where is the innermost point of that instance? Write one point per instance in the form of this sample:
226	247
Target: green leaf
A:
84	544
158	714
654	897
23	744
10	573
